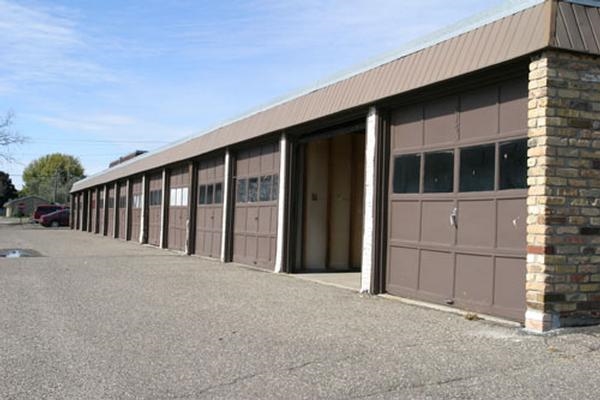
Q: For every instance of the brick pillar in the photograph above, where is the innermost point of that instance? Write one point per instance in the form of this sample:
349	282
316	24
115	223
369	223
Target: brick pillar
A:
563	226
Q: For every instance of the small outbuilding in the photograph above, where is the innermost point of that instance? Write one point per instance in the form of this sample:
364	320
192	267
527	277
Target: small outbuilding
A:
23	206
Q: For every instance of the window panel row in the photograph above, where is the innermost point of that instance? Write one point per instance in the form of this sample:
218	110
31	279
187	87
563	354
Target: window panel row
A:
210	194
178	197
255	189
155	197
477	169
136	201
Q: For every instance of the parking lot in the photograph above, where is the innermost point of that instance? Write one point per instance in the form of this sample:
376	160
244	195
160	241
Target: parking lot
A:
96	318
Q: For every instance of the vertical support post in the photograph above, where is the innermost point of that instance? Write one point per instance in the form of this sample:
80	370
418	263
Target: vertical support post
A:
369	202
164	210
192	204
115	232
228	204
382	171
281	204
128	209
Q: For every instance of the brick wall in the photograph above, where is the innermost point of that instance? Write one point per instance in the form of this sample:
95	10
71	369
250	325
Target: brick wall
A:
563	226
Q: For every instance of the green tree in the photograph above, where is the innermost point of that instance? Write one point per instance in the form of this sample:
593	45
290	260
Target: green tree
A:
7	189
52	176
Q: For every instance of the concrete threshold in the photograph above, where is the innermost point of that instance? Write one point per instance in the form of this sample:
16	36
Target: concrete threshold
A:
341	280
451	310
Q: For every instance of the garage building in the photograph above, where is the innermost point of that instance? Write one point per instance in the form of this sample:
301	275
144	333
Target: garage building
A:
464	171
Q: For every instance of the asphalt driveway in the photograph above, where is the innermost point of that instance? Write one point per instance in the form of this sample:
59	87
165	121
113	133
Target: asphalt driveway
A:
95	318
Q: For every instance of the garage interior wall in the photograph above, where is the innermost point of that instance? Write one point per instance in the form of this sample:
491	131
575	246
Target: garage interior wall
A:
333	203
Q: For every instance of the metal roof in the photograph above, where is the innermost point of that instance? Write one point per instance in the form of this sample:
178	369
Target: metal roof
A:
512	30
578	26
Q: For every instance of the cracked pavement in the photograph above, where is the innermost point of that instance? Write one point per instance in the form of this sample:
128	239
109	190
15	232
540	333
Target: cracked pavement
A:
97	318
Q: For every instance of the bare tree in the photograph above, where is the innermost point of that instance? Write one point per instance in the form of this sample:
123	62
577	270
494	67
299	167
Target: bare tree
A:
8	136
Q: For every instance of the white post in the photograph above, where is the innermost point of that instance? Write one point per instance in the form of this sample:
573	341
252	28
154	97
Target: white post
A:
369	202
226	205
281	203
143	210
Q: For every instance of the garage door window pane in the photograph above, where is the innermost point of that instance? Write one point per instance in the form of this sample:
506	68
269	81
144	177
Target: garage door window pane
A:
439	172
184	197
253	190
265	187
202	194
209	194
477	169
407	173
275	191
513	165
218	193
241	191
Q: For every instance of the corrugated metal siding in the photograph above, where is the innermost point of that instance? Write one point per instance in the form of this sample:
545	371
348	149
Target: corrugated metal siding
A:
577	28
506	39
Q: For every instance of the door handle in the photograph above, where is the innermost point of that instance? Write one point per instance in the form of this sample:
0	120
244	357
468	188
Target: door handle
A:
454	217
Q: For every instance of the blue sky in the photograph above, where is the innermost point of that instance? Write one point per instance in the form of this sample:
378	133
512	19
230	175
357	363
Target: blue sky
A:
99	79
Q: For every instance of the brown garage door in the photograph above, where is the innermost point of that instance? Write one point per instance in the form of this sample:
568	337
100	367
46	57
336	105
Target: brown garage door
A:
110	210
93	211
136	209
457	231
122	211
255	218
179	181
154	209
101	212
209	213
78	200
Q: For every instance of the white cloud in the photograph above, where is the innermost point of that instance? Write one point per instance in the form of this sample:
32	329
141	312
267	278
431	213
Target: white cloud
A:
105	123
268	27
43	45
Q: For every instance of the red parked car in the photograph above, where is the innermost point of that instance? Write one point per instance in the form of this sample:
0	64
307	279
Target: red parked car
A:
43	210
56	218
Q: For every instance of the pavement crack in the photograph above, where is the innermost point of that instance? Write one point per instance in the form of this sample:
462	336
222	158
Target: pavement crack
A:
232	382
254	375
401	387
318	361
